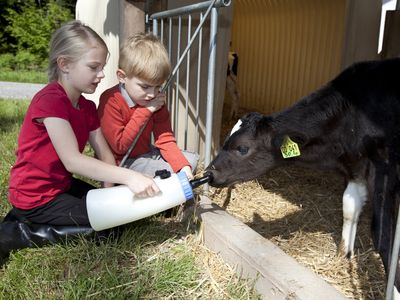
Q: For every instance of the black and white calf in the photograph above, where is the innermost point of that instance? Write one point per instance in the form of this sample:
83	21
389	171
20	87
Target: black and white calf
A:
351	125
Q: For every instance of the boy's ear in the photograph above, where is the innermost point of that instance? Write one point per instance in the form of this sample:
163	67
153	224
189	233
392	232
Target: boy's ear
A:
121	76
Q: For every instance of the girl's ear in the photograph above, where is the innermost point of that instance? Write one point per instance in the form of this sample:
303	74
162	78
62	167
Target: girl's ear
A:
62	64
121	76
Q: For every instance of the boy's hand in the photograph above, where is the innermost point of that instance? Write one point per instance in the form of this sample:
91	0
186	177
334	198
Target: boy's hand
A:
188	171
156	103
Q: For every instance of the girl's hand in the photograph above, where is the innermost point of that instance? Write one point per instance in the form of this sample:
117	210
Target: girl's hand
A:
157	102
142	186
107	184
64	141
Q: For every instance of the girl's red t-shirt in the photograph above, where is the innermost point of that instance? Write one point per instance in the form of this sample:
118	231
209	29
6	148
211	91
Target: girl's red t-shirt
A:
38	174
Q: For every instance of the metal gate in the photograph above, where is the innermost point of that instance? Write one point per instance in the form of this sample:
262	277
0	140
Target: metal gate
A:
182	32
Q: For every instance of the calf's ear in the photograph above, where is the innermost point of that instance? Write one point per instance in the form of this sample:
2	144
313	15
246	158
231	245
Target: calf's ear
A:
280	138
299	138
262	126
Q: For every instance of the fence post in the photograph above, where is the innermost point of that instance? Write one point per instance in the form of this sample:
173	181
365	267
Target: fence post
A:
211	85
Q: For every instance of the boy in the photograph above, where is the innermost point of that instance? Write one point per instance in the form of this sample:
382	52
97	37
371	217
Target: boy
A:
125	108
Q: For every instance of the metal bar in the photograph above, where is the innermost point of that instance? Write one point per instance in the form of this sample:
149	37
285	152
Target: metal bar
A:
394	260
189	9
162	30
169	56
177	75
146	23
198	83
191	41
155	27
187	83
211	85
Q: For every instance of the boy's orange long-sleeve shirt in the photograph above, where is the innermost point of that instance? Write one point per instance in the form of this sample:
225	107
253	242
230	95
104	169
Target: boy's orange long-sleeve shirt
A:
121	123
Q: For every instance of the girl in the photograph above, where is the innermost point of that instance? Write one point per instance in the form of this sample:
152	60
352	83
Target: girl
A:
58	124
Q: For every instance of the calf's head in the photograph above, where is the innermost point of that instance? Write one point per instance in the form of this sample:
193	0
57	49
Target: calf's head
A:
251	149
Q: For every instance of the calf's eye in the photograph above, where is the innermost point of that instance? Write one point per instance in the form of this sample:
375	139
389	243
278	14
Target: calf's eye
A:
243	150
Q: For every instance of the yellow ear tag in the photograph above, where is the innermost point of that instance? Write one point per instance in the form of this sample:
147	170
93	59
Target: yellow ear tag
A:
289	148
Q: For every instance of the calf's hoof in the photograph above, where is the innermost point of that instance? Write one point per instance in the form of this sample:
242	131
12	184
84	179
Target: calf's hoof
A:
342	251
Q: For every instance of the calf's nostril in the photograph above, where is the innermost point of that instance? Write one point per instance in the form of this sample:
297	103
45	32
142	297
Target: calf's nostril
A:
209	175
210	167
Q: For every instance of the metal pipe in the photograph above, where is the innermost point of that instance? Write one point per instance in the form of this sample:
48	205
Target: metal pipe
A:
190	9
169	56
394	260
155	27
198	83
211	85
178	49
191	41
162	30
187	85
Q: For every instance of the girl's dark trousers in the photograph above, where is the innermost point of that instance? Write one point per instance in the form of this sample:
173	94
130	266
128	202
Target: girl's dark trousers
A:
62	219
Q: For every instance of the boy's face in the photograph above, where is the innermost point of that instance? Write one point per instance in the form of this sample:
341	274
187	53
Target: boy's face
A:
139	90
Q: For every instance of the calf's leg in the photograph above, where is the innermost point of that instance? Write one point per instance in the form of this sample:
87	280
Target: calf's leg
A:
232	88
354	198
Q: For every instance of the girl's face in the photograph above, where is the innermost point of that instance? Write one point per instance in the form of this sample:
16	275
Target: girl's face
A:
139	90
86	73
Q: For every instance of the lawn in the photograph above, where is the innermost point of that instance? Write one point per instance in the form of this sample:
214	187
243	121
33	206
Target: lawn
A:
23	76
155	258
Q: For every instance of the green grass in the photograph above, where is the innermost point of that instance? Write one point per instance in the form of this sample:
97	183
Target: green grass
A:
155	258
24	76
131	268
11	116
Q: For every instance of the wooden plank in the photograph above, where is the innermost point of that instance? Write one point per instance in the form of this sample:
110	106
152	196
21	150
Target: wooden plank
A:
276	275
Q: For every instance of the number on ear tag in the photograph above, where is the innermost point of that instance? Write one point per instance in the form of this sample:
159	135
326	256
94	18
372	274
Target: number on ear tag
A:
289	148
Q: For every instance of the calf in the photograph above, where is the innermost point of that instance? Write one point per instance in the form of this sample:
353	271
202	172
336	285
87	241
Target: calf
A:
351	125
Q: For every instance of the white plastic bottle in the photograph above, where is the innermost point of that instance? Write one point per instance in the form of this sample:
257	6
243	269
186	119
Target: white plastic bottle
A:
110	207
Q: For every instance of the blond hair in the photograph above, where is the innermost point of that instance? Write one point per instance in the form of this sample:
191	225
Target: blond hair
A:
145	57
71	41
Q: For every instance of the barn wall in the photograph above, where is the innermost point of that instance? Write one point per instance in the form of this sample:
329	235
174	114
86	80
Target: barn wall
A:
282	46
289	48
113	21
